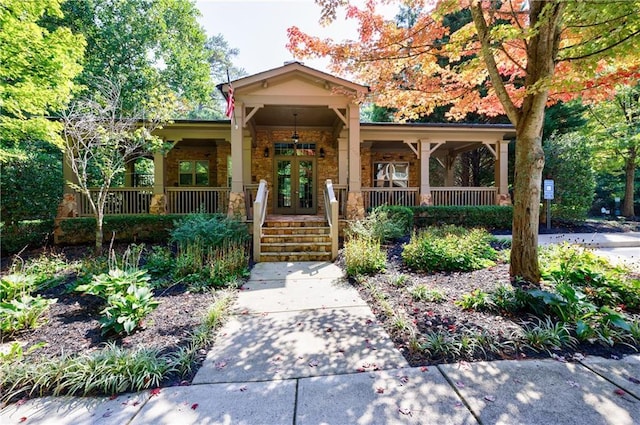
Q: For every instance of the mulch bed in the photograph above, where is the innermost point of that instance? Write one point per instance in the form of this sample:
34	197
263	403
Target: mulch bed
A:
73	325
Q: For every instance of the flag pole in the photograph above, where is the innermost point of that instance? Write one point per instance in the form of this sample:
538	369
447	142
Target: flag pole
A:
231	101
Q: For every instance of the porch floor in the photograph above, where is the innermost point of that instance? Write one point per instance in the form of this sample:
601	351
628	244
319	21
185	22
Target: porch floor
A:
294	218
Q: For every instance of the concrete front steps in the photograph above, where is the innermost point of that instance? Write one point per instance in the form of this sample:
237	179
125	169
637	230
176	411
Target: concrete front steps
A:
295	238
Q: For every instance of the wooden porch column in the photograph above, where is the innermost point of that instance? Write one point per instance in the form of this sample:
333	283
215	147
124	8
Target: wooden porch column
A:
343	160
246	158
425	187
355	204
502	172
450	159
236	197
128	174
159	198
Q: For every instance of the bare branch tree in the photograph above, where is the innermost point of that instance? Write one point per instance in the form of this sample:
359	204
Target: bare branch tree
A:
100	139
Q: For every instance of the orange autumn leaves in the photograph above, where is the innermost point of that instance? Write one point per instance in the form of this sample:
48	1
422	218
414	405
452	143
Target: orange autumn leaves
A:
414	61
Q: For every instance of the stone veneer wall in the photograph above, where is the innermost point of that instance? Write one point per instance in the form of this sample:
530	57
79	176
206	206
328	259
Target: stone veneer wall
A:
326	168
369	157
216	154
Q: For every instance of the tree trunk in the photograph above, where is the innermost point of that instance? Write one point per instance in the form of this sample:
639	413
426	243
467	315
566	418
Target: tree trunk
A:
99	234
526	207
630	175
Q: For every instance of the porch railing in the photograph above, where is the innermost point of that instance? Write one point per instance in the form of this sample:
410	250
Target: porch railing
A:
124	200
373	197
259	215
186	200
464	195
250	192
331	211
340	191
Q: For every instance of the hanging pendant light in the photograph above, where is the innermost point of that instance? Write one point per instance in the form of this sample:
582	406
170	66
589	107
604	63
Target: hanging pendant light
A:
295	138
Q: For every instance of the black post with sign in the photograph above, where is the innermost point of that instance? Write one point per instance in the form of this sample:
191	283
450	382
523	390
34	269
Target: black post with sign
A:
548	196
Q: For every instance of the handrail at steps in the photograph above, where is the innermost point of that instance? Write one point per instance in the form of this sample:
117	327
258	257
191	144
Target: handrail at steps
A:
259	215
331	211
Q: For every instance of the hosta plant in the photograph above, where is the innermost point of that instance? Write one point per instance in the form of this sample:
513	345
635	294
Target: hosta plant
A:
125	312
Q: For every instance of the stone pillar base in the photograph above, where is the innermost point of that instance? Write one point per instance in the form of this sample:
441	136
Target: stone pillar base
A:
236	206
355	206
503	200
68	207
426	200
158	204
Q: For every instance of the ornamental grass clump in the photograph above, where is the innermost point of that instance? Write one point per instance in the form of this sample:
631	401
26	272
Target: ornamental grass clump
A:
449	248
363	256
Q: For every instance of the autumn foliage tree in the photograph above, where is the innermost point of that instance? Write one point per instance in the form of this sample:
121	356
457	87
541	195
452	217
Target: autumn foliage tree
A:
515	57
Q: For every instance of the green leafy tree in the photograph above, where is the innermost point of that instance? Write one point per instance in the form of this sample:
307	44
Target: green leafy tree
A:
101	139
37	68
31	182
526	55
614	126
569	164
145	46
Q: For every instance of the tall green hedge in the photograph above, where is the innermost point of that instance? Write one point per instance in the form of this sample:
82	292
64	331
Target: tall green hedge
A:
489	217
25	234
124	228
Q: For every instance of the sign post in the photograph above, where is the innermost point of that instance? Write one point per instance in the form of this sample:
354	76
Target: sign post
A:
548	187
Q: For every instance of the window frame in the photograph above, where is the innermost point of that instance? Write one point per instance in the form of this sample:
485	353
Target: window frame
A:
194	172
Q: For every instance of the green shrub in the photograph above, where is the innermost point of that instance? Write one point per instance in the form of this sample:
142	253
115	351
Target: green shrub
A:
449	248
16	284
24	234
125	228
23	312
488	217
382	224
603	283
421	292
125	312
363	256
211	230
228	263
114	282
160	262
475	300
400	215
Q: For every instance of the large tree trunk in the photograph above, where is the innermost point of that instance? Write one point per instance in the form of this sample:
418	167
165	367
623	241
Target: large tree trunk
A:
630	175
526	208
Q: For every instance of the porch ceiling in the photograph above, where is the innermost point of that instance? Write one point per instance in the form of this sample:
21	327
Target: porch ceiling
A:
282	116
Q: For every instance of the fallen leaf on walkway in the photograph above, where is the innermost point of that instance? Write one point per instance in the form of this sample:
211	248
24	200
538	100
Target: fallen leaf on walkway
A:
313	363
464	365
634	380
620	392
113	397
194	406
243	388
404	379
329	330
405	411
360	369
21	402
380	390
490	398
578	357
185	383
23	419
221	364
154	391
573	384
458	404
424	369
459	384
614	357
106	414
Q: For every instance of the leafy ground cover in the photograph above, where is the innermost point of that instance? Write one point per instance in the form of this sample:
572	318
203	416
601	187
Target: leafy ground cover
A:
437	310
139	317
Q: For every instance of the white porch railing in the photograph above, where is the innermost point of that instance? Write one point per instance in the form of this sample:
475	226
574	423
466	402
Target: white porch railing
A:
186	200
463	196
259	215
331	211
373	197
250	192
123	200
340	191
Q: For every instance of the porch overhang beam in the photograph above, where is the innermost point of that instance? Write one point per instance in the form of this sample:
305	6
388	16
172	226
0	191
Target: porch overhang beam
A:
491	148
413	145
432	148
247	116
340	115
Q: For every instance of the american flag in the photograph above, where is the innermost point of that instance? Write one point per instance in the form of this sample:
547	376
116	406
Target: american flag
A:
230	102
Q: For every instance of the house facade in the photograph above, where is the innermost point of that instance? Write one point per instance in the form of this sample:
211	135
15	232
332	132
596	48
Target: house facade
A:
297	131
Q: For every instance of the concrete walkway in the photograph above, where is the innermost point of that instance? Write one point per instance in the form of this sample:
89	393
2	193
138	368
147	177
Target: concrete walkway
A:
303	348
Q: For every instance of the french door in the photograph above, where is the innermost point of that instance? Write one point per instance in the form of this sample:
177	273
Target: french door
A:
295	179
